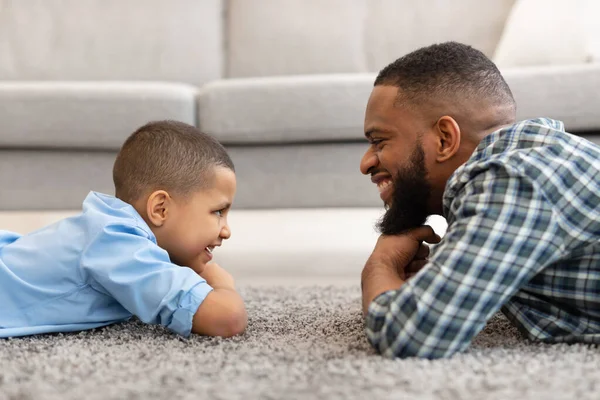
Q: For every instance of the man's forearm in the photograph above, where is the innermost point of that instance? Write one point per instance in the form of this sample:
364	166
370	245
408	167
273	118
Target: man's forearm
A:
377	278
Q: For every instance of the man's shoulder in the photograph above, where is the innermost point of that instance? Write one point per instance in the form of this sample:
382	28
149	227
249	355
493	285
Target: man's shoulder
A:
506	149
534	133
521	135
532	150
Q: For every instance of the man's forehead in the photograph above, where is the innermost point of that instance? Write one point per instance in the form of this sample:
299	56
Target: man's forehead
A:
383	95
381	112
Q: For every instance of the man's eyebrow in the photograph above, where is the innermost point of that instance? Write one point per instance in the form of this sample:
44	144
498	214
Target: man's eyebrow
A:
374	130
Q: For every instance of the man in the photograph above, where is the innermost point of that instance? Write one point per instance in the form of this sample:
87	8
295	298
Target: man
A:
522	202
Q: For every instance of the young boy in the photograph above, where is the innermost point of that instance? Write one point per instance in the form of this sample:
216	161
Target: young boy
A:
144	252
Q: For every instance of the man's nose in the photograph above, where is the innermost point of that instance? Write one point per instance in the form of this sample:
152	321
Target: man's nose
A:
369	161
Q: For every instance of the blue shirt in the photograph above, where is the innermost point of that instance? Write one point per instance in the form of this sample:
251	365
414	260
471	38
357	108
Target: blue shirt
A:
94	269
523	236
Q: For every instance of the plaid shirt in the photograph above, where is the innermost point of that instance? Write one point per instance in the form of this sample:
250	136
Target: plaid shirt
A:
523	236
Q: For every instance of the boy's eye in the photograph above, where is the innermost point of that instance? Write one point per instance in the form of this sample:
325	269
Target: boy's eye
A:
219	213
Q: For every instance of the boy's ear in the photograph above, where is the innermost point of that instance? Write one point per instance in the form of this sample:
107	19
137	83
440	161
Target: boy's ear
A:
449	137
157	207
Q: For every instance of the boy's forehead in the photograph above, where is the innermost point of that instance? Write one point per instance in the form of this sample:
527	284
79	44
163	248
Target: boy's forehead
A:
222	186
224	177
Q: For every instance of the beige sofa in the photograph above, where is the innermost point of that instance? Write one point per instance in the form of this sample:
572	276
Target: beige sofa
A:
282	83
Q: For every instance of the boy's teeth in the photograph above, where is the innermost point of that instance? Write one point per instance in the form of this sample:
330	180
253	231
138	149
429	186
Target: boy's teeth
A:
209	249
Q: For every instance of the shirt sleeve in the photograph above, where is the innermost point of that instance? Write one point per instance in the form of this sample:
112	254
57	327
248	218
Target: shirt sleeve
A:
7	237
124	263
501	236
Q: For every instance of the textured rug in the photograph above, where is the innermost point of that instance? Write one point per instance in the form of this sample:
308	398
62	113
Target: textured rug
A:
302	343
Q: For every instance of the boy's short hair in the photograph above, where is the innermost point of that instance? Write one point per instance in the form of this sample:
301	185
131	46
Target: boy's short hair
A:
167	155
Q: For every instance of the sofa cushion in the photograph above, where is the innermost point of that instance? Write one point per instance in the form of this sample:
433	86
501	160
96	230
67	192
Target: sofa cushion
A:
285	176
331	108
335	36
295	37
310	108
566	93
396	27
302	175
177	40
93	115
566	32
53	179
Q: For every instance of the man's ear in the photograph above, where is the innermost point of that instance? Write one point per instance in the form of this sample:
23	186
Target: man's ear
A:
449	137
157	207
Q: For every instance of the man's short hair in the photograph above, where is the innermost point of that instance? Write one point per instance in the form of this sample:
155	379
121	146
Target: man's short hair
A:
167	155
447	72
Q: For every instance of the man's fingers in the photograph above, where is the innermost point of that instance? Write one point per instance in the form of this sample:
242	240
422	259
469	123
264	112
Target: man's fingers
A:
415	266
423	252
425	233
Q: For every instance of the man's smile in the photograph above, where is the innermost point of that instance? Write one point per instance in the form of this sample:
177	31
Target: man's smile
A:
385	186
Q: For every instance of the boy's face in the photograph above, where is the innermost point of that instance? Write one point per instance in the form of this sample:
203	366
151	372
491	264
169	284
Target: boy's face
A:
198	224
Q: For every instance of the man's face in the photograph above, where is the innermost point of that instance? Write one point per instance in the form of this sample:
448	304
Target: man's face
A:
396	161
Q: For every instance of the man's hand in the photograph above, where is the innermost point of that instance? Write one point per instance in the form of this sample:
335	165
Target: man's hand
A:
418	262
400	250
217	277
387	267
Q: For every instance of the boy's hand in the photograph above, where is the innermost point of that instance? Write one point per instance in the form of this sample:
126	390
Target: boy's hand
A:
217	277
222	313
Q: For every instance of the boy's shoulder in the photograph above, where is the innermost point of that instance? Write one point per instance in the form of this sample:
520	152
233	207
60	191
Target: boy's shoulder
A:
100	210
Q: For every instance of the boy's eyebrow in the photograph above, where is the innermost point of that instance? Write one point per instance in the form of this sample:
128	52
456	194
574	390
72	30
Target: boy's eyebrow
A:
225	205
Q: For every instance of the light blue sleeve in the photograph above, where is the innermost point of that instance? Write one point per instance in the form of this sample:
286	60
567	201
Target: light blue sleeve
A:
7	237
123	262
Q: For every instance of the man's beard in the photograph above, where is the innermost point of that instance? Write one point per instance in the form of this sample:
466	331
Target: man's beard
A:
408	208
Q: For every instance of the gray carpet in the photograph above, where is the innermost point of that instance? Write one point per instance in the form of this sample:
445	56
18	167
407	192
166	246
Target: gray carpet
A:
302	342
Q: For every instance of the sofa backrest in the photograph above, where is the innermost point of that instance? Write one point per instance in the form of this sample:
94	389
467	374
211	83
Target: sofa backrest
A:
81	40
197	41
286	37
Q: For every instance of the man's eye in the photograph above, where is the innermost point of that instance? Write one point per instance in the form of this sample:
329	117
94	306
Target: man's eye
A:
219	213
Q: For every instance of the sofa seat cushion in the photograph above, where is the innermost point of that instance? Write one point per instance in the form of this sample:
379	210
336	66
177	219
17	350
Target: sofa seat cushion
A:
87	115
309	108
565	93
331	108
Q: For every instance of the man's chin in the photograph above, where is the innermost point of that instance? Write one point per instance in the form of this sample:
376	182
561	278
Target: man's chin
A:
387	203
394	222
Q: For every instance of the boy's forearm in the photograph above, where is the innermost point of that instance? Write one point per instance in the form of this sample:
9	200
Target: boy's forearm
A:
222	313
217	277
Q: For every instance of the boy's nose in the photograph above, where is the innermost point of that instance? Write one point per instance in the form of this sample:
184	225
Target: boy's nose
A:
225	232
